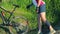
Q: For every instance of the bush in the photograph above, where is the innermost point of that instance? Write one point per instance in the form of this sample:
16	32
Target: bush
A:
52	9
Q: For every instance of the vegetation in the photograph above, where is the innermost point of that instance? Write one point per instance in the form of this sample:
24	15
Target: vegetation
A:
52	9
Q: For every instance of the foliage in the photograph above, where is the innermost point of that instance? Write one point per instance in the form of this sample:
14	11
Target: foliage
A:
52	9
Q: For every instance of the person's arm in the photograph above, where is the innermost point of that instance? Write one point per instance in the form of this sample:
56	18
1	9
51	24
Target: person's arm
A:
38	4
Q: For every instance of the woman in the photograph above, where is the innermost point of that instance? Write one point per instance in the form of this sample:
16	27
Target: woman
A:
41	10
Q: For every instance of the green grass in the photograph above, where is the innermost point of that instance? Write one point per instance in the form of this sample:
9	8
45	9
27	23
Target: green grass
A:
21	11
53	10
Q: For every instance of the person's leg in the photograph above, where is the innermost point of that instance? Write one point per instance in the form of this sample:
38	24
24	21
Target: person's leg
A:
39	24
43	17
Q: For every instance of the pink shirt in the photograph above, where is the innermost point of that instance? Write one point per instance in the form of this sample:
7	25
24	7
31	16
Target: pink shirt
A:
42	2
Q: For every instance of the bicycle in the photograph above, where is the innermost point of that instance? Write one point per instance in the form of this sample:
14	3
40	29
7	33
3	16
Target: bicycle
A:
19	23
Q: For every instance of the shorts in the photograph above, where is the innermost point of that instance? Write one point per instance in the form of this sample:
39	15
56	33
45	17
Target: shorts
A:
42	8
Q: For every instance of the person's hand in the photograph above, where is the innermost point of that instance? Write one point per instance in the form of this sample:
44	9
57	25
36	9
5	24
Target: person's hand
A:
37	9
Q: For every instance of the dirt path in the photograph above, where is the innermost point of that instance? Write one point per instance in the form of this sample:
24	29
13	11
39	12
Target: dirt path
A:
56	27
46	30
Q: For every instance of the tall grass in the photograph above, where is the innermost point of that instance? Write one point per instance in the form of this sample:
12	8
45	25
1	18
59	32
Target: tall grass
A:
52	9
21	11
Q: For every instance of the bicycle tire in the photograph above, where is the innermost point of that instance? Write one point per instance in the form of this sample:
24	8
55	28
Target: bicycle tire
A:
22	24
4	30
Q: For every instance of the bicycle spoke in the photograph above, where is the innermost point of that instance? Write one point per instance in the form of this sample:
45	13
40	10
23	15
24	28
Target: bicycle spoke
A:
21	24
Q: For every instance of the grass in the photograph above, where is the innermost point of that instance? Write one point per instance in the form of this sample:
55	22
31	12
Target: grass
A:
53	11
21	11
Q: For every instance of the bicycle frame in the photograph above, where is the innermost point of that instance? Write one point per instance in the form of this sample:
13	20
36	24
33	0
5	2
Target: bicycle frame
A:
6	21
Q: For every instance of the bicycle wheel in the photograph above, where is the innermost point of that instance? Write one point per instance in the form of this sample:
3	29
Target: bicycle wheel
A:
4	30
20	24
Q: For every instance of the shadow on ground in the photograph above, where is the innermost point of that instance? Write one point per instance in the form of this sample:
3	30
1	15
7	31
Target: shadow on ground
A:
45	29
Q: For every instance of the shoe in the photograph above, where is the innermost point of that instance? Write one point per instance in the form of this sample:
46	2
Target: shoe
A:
39	32
52	32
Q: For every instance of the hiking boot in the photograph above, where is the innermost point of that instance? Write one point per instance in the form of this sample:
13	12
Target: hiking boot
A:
39	32
52	32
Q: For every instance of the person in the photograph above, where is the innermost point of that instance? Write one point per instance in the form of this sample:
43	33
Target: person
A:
41	10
